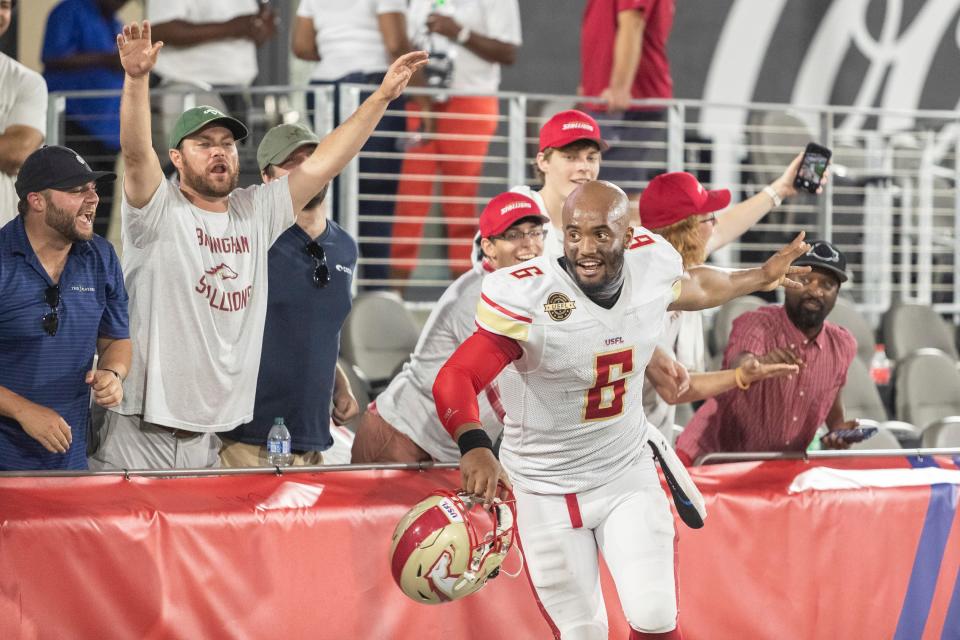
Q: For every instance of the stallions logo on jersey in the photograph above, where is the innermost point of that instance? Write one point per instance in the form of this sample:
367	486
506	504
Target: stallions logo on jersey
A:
559	306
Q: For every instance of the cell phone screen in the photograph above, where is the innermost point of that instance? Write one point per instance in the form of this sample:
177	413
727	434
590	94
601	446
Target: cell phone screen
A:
812	166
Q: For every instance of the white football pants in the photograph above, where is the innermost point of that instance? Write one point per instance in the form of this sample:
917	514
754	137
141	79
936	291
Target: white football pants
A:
629	520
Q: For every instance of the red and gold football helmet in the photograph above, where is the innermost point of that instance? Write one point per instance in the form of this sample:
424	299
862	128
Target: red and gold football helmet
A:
437	554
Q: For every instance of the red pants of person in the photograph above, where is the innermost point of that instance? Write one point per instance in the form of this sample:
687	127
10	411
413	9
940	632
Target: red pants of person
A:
460	168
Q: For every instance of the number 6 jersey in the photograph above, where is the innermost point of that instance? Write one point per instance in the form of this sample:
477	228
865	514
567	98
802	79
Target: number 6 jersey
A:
573	400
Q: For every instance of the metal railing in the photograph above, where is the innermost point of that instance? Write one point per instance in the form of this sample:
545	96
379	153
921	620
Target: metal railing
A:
233	471
763	456
891	204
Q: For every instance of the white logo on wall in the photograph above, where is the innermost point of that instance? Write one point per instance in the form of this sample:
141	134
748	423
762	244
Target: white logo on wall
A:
899	59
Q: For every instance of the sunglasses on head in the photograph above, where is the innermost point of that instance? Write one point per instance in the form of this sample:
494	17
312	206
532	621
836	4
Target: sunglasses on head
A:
51	319
321	274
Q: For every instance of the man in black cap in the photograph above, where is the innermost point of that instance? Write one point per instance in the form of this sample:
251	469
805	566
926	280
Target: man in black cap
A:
195	259
62	299
783	414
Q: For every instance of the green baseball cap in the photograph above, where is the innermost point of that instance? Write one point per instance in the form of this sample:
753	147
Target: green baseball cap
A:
192	120
281	141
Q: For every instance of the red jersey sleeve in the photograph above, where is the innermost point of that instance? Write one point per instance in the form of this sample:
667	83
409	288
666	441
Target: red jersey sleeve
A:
474	365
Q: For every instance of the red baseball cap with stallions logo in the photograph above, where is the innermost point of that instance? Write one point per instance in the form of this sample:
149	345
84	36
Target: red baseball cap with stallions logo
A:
503	211
672	197
570	126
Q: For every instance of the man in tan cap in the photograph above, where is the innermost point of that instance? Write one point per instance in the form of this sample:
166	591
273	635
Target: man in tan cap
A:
311	268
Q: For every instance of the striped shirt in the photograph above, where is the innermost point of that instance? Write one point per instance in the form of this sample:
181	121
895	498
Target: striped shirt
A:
780	414
49	370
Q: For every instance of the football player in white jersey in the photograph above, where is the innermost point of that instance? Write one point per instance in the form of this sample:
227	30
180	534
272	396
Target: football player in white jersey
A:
401	424
576	332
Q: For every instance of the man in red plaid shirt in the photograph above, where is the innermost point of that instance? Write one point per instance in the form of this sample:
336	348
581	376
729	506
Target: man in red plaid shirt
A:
783	414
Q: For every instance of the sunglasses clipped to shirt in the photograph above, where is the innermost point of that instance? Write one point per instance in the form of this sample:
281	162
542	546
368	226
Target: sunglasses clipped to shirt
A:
51	319
321	273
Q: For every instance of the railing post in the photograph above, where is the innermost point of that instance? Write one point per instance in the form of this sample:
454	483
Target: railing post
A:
825	208
516	140
956	224
925	223
56	110
676	116
349	199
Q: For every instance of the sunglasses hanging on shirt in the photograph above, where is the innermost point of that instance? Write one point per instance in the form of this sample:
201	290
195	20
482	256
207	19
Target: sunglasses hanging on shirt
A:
321	274
51	319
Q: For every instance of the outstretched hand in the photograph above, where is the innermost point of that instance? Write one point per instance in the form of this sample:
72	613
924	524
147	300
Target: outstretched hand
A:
754	370
400	72
138	54
778	267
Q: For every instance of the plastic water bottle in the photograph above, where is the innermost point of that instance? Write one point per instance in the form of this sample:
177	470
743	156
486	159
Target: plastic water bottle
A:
278	445
880	366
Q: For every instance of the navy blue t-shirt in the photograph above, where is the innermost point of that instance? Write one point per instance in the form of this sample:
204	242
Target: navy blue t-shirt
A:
50	370
301	339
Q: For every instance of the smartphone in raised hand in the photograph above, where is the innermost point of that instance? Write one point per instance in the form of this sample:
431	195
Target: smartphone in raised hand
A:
812	166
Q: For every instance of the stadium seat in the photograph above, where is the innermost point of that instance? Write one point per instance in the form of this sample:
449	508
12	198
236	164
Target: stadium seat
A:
943	433
861	401
378	335
927	388
909	327
860	396
723	321
846	315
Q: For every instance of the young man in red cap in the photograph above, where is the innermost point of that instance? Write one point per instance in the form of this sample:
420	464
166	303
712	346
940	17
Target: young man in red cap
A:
569	156
401	425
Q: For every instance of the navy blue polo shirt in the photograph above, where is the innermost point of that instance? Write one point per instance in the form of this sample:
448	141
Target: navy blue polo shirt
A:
50	370
301	339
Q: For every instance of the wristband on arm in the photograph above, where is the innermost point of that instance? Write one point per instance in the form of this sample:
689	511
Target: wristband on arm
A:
474	439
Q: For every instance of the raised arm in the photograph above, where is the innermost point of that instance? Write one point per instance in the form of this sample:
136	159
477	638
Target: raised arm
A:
337	149
703	287
138	55
737	220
